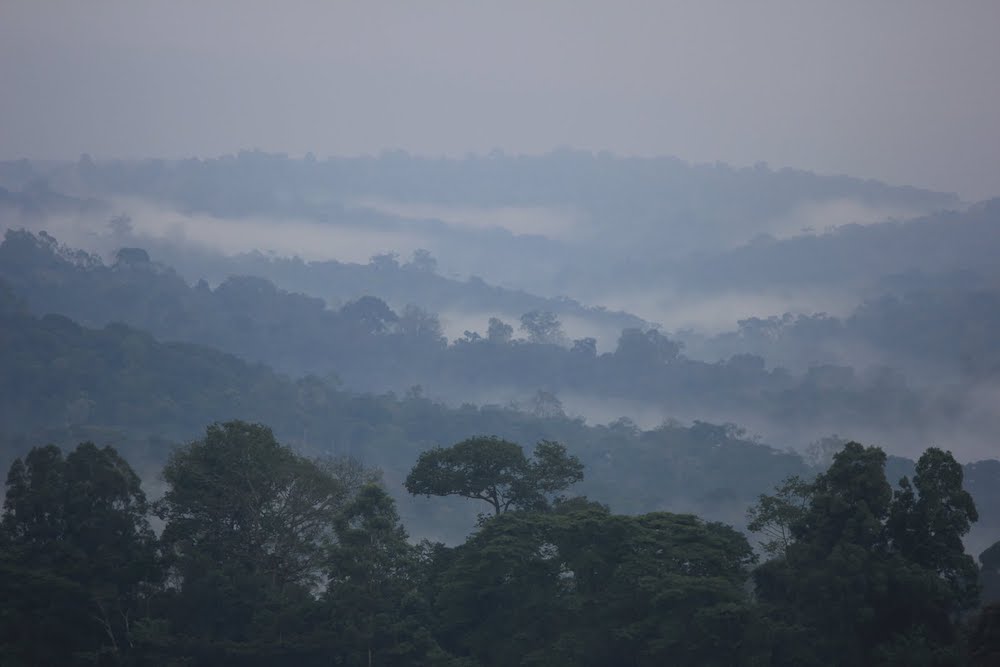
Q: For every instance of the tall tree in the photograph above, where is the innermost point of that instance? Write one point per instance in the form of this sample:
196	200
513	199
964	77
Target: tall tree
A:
78	558
377	614
542	327
499	331
496	471
929	530
989	574
925	527
873	577
249	524
774	515
984	639
827	587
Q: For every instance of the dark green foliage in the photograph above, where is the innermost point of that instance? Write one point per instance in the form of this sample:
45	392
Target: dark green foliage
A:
277	559
77	557
238	493
989	574
984	639
928	521
585	587
871	577
249	525
774	516
496	471
376	613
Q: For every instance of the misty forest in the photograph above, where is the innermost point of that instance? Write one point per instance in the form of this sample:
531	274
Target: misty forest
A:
547	406
236	456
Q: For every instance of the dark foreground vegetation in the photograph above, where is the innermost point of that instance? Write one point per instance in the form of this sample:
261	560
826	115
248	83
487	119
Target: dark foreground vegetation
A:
261	556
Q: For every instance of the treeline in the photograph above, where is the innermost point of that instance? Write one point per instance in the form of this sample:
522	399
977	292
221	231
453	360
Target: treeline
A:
64	383
412	280
858	256
945	331
632	223
372	347
663	198
267	557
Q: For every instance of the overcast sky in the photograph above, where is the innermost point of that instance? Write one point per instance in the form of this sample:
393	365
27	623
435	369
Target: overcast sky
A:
906	91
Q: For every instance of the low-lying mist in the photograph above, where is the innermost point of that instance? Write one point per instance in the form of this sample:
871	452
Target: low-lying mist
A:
817	217
971	438
307	239
549	222
695	267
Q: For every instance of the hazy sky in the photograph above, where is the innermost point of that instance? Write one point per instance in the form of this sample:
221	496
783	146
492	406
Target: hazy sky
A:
907	91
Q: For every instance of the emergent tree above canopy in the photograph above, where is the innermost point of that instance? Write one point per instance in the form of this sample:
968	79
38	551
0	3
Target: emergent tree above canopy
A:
496	471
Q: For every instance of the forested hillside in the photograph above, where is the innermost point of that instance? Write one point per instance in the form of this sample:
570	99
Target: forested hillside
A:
602	223
938	332
860	256
492	334
371	347
63	383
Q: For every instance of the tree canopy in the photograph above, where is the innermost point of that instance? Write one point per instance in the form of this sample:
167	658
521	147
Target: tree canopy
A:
240	496
272	558
496	471
873	576
78	558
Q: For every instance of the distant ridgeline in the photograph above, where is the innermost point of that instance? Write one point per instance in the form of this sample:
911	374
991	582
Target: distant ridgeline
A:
630	219
610	187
